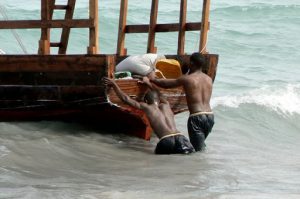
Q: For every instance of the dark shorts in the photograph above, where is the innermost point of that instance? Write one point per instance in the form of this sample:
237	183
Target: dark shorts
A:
176	144
199	126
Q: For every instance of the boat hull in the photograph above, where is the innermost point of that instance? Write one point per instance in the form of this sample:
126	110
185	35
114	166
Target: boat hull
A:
69	88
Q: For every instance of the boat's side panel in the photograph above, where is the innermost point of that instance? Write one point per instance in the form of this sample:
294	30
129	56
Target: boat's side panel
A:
51	81
60	87
136	90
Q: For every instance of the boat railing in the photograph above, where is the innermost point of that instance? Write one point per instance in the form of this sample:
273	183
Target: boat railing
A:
153	27
46	23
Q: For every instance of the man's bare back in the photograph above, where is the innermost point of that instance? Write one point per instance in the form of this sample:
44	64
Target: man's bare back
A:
198	89
161	118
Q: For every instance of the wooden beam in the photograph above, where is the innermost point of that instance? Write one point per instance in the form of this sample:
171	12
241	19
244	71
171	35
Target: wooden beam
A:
182	22
204	26
110	66
153	19
171	27
70	77
94	40
55	44
66	31
60	7
37	24
51	63
122	26
44	43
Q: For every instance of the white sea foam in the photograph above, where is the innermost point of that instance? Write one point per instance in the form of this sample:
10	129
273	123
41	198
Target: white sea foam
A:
284	99
3	151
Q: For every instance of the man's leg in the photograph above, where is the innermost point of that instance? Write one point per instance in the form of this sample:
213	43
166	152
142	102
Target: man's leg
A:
196	132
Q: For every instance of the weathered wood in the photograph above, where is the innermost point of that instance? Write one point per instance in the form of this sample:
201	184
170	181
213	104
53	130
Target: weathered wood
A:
60	7
66	31
171	27
52	63
110	66
122	26
93	39
51	78
151	32
33	24
55	44
212	64
44	43
132	88
204	26
182	22
53	92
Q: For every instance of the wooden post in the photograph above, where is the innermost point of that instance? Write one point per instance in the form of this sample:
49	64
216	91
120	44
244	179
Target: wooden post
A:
44	43
64	39
122	25
182	23
153	19
110	64
93	46
204	26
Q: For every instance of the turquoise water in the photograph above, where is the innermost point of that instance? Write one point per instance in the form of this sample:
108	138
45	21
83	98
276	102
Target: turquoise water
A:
253	151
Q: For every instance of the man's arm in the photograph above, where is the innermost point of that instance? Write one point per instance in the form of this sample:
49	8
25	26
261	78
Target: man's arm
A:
146	81
125	98
167	83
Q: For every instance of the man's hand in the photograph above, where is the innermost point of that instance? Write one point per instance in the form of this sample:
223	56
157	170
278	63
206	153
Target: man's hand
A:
108	82
146	80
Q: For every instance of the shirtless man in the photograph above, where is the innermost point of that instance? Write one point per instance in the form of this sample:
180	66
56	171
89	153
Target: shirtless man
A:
161	119
198	88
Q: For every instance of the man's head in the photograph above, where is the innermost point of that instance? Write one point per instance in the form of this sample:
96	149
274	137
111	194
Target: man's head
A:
151	97
197	62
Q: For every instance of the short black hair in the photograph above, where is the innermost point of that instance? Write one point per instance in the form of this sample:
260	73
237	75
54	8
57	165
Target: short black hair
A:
198	60
151	96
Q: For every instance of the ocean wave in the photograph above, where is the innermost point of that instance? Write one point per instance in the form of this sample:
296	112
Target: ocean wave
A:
257	7
3	151
284	99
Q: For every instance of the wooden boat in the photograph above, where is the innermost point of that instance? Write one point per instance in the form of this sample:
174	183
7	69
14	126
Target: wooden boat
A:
69	88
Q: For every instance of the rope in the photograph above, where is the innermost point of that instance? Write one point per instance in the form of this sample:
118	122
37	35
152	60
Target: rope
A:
15	34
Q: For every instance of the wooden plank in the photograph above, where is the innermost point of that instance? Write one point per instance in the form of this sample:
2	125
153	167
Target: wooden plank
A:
34	24
110	66
44	43
151	35
204	26
171	27
66	31
122	26
132	88
51	63
212	64
93	39
63	93
61	7
182	22
44	47
55	44
52	78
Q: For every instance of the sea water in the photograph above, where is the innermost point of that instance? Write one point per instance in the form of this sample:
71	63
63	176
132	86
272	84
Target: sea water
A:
252	152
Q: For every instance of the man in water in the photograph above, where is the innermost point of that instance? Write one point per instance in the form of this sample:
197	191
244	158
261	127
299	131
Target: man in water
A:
161	119
198	89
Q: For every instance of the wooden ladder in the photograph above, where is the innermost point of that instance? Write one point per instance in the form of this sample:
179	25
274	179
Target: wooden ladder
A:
47	10
153	27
